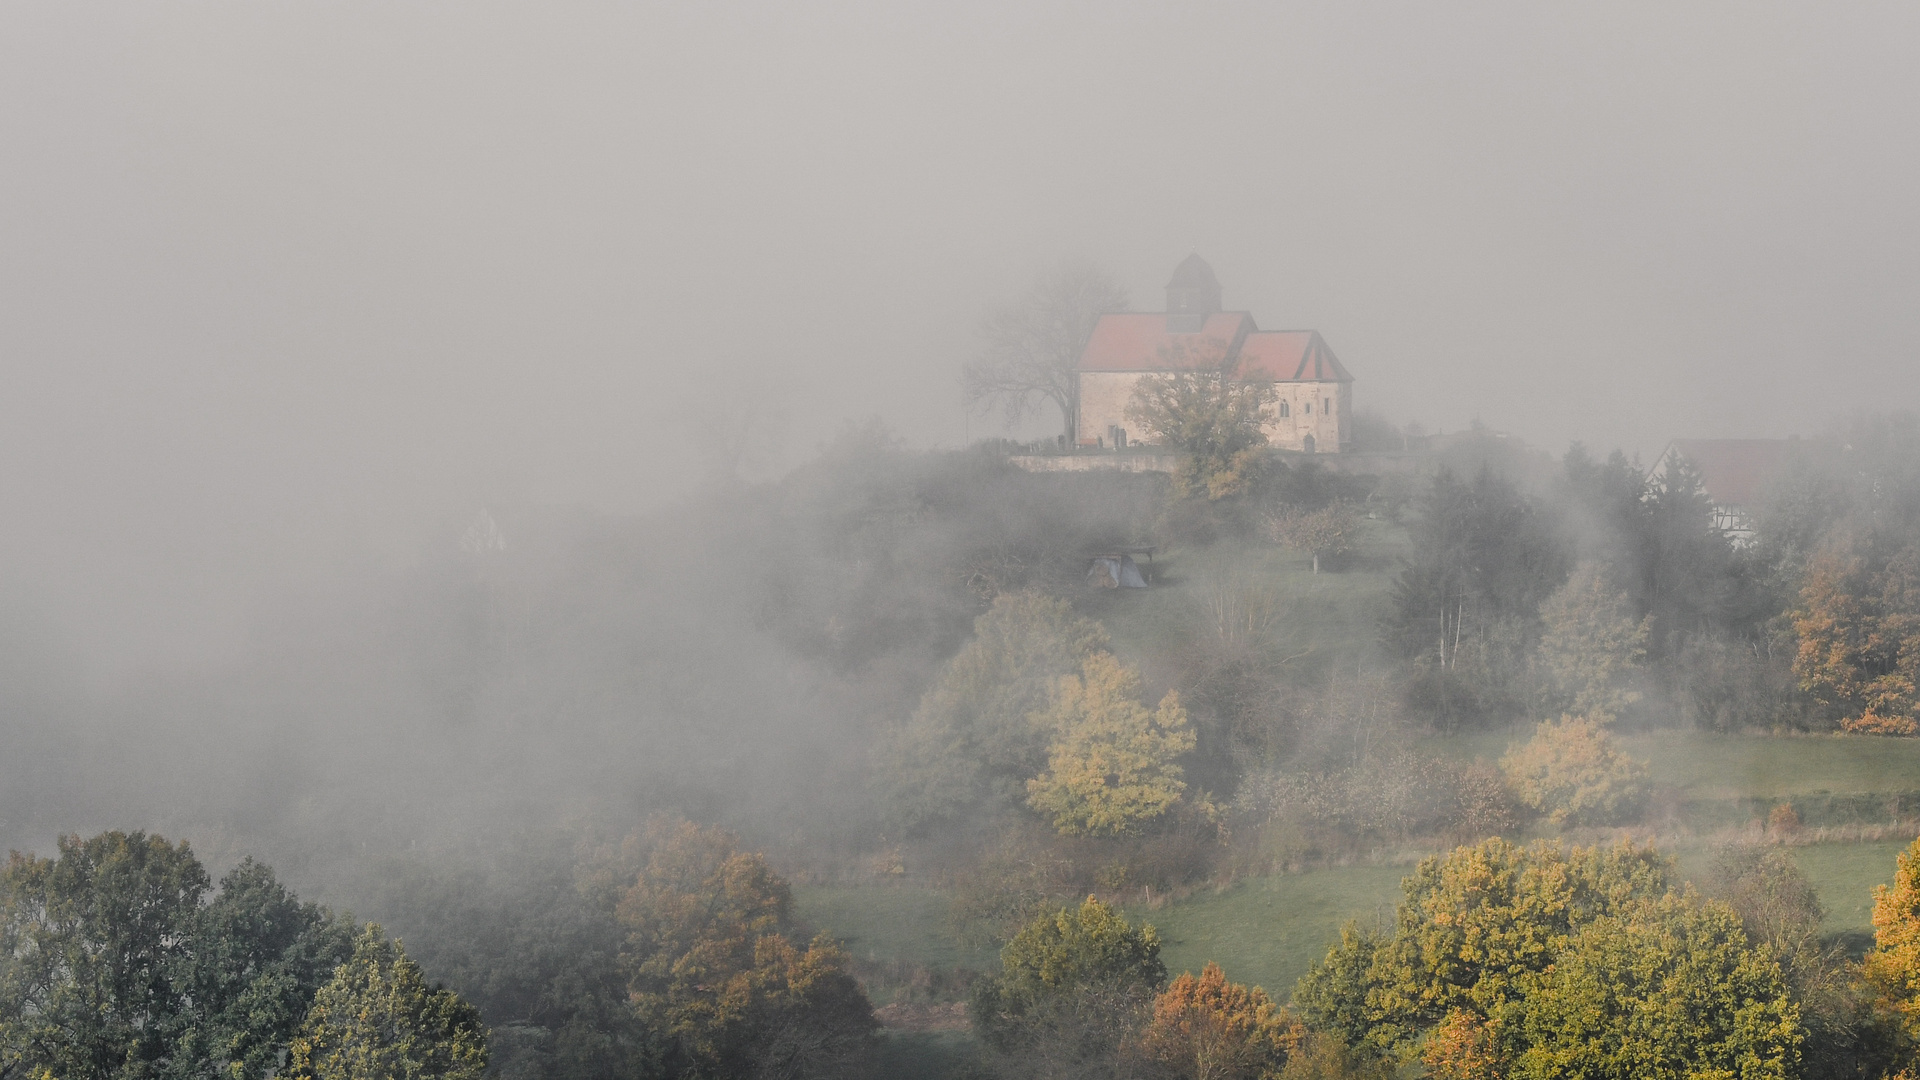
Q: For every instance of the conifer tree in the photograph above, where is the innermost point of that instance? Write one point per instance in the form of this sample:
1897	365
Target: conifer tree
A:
379	1020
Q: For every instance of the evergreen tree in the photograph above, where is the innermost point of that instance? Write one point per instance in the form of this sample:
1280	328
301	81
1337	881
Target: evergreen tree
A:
377	1019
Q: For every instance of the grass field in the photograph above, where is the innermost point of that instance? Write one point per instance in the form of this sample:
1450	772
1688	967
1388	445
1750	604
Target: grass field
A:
890	923
1323	614
1704	765
1267	931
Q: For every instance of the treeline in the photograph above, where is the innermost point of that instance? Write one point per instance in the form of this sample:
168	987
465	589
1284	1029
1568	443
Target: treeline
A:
1609	593
119	961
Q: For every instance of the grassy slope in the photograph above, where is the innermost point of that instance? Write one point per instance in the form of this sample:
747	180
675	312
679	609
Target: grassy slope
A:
1327	613
1267	931
889	922
1703	765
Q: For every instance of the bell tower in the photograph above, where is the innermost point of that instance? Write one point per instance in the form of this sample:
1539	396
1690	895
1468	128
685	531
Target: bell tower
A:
1192	294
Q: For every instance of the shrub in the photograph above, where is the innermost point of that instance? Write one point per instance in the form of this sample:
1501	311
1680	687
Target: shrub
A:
1572	772
1206	1028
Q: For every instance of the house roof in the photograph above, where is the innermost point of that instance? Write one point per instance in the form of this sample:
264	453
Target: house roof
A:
1735	472
1290	356
1140	341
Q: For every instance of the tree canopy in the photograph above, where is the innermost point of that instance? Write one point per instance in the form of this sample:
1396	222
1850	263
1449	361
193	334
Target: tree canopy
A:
377	1019
1113	765
714	974
1539	962
1217	423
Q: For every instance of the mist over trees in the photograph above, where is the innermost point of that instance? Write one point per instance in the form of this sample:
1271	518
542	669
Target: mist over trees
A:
892	658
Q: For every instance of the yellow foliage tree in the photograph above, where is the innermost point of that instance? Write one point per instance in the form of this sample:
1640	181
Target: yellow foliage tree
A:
1572	772
1113	765
1892	968
1206	1028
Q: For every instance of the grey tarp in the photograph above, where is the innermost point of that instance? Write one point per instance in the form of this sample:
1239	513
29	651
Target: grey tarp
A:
1115	572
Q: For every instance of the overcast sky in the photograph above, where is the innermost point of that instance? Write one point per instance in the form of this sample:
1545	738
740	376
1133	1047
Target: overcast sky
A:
282	282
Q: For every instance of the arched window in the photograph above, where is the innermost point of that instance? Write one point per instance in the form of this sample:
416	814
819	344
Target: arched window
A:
1284	412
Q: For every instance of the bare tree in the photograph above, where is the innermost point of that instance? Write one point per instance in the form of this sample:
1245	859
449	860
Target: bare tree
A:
1031	346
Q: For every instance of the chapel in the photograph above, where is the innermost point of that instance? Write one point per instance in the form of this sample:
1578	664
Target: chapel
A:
1314	392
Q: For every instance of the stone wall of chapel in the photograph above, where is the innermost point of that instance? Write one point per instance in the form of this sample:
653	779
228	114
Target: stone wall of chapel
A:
1330	427
1103	404
1104	396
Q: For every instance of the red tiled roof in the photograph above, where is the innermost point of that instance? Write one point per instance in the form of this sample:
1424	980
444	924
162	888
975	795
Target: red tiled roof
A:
1735	472
1139	341
1290	356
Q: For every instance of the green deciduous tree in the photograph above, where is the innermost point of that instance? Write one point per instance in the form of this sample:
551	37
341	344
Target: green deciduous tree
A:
1590	645
1113	766
973	741
112	965
1466	606
1215	421
1572	772
1074	985
258	957
1782	915
91	946
378	1019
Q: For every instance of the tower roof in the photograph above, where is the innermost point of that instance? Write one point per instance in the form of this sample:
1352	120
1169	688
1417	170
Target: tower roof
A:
1193	273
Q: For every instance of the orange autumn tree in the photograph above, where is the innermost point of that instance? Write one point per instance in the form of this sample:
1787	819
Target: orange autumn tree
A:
1206	1028
1859	629
1463	1047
